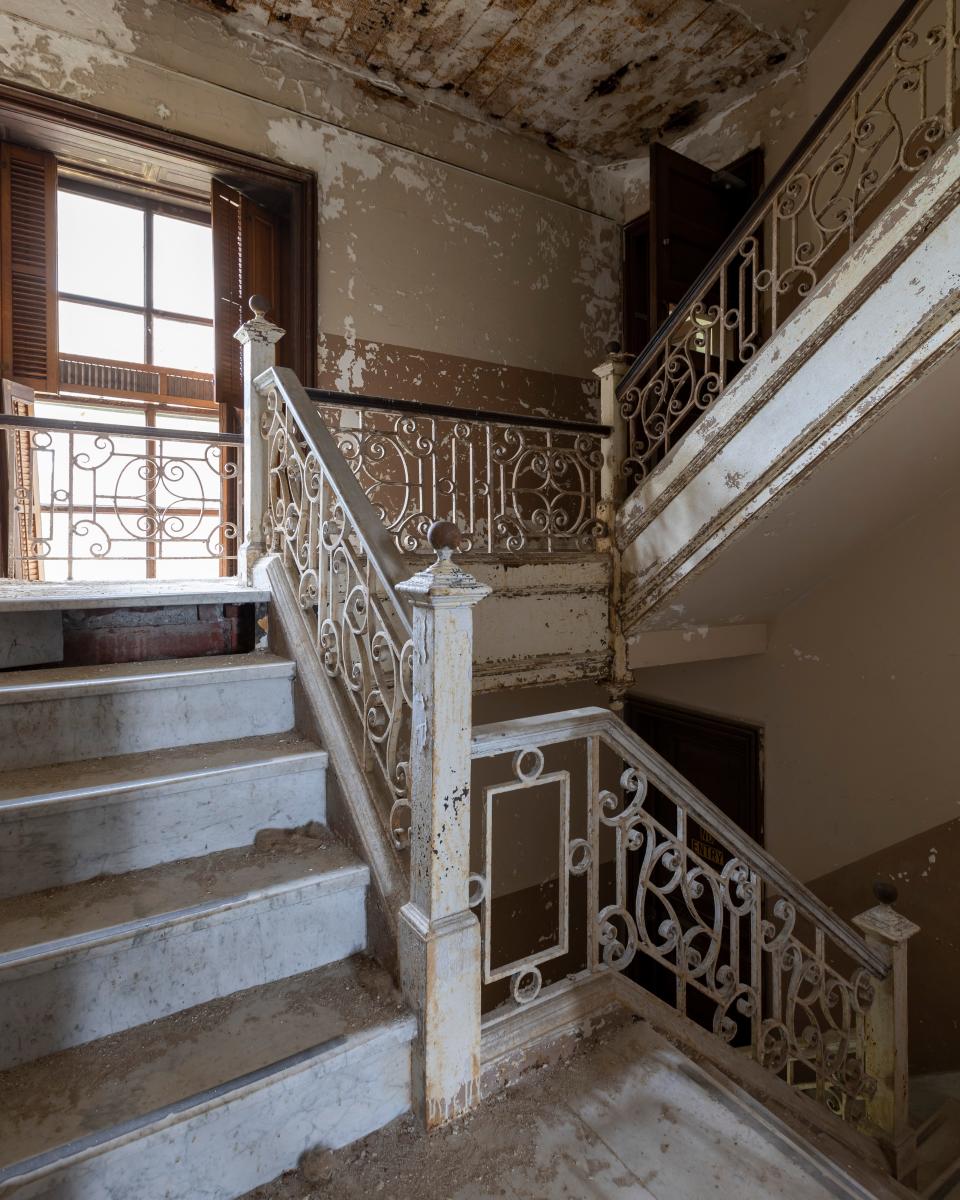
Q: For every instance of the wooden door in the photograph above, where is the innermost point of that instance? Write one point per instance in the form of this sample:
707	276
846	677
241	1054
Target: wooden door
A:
636	285
693	209
723	759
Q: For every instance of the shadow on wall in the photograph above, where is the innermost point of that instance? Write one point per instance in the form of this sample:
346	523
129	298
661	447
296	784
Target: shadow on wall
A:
924	870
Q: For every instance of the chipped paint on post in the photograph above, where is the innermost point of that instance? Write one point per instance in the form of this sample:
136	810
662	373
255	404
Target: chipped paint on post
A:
439	936
886	1036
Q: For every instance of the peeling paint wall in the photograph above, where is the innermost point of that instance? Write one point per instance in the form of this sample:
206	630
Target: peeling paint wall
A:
857	695
777	115
438	236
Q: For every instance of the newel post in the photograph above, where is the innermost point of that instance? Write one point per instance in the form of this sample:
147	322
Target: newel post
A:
614	449
614	445
259	338
886	1032
439	935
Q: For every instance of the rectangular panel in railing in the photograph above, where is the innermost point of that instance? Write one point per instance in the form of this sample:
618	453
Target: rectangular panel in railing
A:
121	502
871	141
590	853
510	488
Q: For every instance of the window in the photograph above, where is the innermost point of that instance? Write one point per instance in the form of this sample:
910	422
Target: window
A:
135	280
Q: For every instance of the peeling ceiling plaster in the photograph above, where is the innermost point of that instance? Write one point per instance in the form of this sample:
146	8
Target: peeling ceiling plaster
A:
599	79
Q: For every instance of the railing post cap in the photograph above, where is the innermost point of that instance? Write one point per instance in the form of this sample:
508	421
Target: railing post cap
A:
882	922
616	363
444	583
258	328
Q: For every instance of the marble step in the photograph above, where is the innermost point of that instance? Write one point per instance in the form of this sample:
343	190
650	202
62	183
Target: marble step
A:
92	959
72	821
211	1102
66	714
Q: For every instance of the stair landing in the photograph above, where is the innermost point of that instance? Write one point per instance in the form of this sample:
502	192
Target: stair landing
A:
629	1116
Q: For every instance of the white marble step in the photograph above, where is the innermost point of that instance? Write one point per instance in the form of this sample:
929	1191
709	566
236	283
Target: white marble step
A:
16	596
92	959
71	713
215	1100
72	821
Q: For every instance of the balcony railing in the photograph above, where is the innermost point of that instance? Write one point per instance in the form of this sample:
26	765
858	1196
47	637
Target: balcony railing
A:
93	501
892	115
513	484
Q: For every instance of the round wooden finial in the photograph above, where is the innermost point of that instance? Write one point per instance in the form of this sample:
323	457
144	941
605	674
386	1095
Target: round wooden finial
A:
444	535
613	347
259	306
885	891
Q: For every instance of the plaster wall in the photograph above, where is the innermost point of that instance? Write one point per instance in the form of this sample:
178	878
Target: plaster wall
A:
857	695
457	263
775	116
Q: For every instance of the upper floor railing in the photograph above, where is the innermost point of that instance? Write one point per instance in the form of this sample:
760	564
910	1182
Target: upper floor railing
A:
889	118
512	484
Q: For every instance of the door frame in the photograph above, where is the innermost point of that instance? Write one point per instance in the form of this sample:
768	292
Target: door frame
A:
694	719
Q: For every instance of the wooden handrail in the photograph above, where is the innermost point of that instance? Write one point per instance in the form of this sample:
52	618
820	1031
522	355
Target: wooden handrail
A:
755	213
452	412
154	432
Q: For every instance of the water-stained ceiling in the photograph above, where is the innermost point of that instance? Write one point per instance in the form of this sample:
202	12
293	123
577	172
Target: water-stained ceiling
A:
597	78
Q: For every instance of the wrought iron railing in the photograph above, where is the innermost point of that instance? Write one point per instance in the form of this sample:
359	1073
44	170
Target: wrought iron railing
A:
890	118
89	500
512	484
346	568
627	868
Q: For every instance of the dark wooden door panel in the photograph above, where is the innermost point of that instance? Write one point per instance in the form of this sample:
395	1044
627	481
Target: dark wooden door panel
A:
693	209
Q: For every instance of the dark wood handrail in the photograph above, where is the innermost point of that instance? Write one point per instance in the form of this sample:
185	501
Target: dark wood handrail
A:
755	212
474	415
156	433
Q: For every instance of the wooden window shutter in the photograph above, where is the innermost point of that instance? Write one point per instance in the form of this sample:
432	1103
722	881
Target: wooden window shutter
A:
28	267
20	512
245	262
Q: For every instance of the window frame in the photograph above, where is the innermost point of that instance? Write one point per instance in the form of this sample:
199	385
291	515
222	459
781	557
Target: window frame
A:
151	207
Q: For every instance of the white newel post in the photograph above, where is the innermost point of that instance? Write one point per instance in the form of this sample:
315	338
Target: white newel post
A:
614	446
886	1032
612	490
439	935
258	337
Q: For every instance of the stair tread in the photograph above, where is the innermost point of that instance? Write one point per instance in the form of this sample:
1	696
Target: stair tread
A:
91	1090
39	924
120	772
16	596
18	686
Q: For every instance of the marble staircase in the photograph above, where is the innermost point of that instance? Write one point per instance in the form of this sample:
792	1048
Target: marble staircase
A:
186	1004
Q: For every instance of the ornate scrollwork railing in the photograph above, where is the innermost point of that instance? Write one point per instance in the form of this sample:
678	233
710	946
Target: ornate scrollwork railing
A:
90	500
638	873
512	484
346	568
886	122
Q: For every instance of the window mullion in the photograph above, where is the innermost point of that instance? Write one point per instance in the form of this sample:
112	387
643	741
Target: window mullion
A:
148	285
